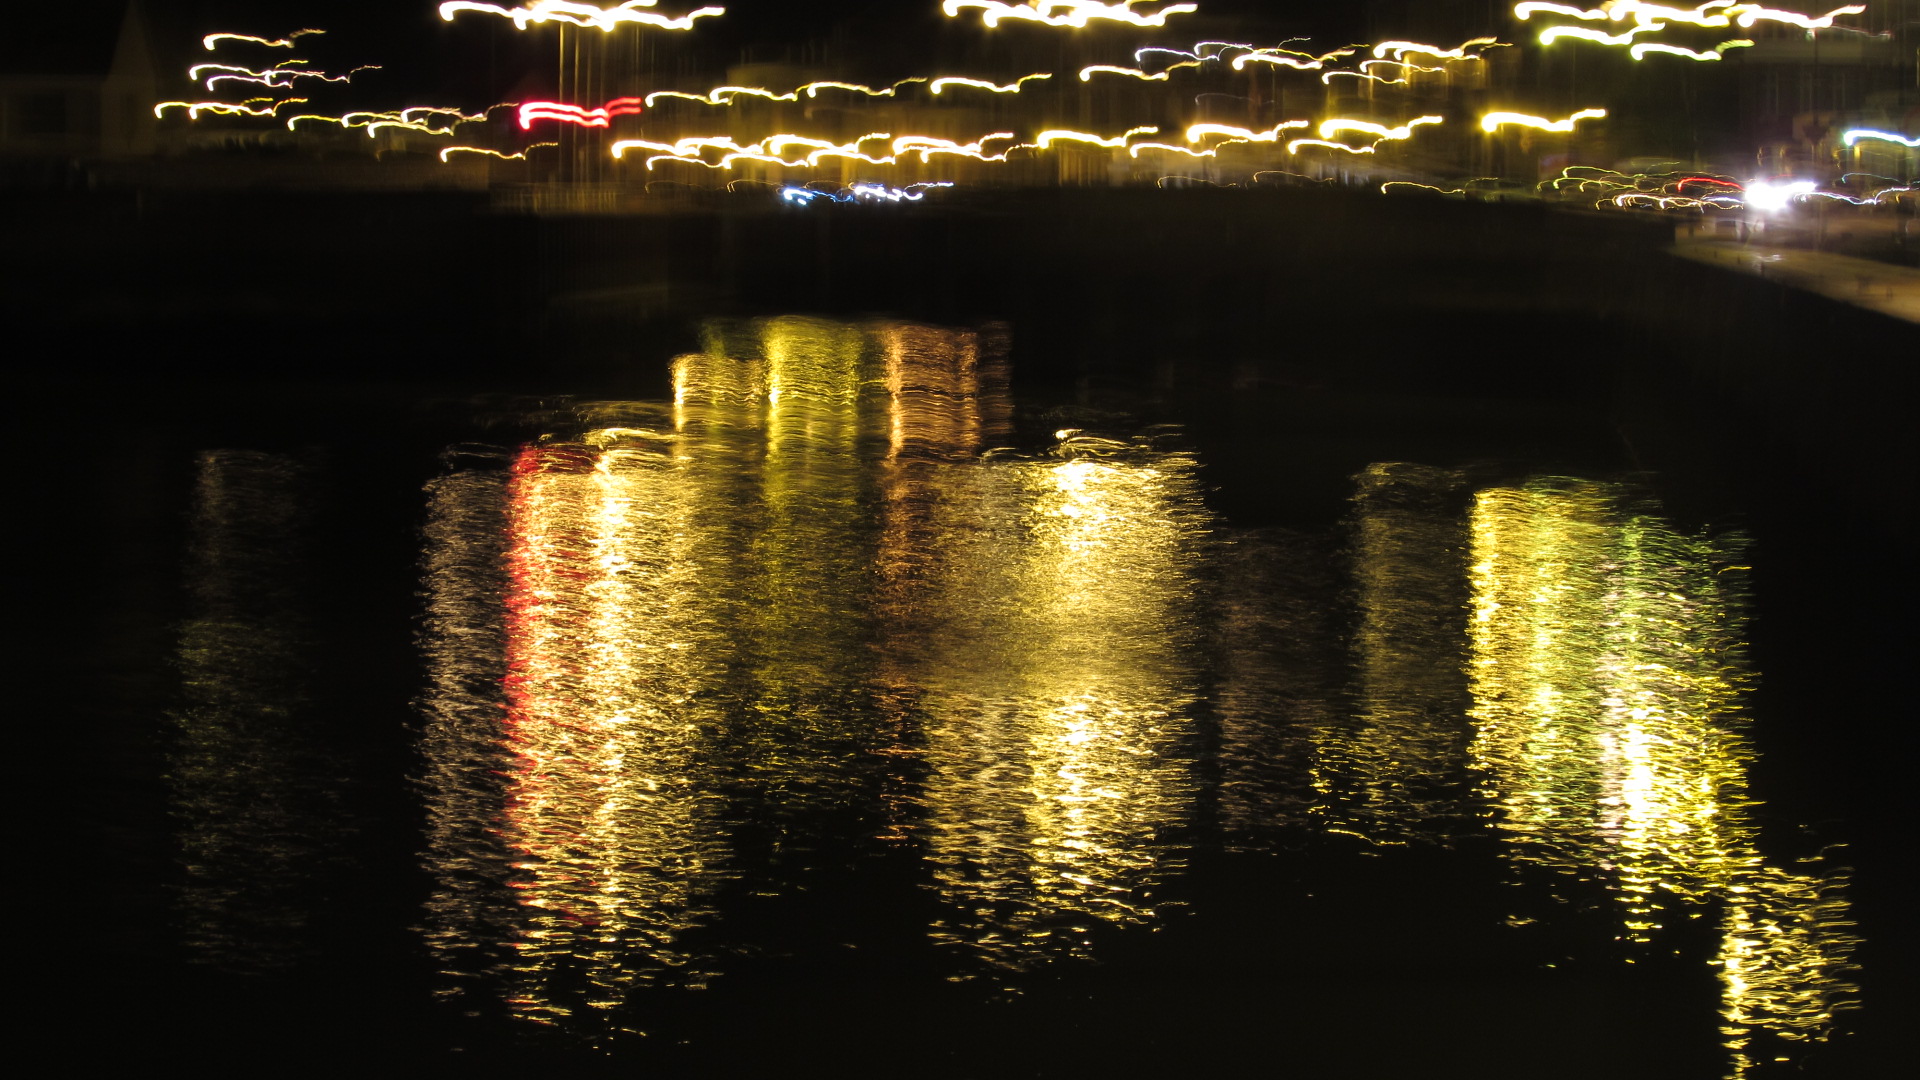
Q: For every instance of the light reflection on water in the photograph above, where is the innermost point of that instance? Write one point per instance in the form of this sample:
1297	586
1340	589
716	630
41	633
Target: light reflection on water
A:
1061	680
1608	672
685	653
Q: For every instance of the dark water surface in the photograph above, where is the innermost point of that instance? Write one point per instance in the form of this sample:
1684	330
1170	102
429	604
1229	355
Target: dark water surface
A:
911	698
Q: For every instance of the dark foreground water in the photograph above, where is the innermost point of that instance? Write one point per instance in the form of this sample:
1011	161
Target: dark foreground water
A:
896	698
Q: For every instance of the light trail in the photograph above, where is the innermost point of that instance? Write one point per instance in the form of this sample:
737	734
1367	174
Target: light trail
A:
278	77
577	114
212	41
1598	37
1643	49
1494	120
1330	128
222	108
1294	146
1399	49
1069	13
1087	73
413	118
448	152
1857	134
1046	139
1239	134
1014	87
583	15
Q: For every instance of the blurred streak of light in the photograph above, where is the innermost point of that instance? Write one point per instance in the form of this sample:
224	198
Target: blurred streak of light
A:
1854	135
1060	674
584	15
1598	37
278	77
411	118
723	96
530	111
1014	87
1046	139
1239	134
1365	72
1087	73
254	792
1072	13
1400	49
1642	50
1494	120
611	639
926	146
221	108
1607	673
1330	128
1294	146
861	192
1423	187
686	151
472	914
212	41
520	155
1134	150
1750	14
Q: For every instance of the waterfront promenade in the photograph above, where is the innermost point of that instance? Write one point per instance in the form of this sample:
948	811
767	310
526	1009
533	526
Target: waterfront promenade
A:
1877	286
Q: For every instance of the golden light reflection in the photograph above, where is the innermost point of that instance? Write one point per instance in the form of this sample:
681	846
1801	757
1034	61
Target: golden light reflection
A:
472	916
610	642
1607	675
1059	689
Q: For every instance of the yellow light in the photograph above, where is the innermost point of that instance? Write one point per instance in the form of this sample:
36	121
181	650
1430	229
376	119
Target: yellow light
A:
212	41
1046	139
1640	51
1073	13
1750	14
221	108
579	14
1294	146
446	152
937	85
1240	134
1087	73
1330	128
1600	37
1400	49
1494	120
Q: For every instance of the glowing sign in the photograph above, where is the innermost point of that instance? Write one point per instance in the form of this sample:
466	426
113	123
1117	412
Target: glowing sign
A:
1494	120
1074	13
576	14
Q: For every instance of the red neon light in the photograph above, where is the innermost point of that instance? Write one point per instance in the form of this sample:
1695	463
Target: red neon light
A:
579	114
